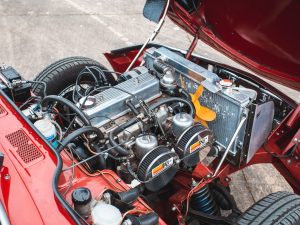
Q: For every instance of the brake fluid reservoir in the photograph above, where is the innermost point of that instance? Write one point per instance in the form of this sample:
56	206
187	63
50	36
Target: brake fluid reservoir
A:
48	130
104	214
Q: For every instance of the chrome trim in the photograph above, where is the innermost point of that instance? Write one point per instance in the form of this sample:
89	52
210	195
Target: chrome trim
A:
3	216
243	120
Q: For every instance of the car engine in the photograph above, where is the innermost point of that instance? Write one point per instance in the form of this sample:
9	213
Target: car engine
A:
149	119
147	125
157	132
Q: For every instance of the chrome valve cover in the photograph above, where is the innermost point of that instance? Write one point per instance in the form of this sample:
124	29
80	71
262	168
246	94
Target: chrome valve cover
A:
111	103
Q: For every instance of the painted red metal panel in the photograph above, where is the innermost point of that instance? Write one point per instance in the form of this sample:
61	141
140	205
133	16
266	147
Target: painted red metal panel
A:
261	35
27	193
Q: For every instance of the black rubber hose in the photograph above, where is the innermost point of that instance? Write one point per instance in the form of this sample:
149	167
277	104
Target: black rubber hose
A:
184	94
77	133
59	166
58	195
210	219
102	160
42	83
132	108
122	151
171	100
64	101
78	79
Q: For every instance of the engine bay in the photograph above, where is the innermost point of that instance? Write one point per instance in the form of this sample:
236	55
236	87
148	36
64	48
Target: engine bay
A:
138	136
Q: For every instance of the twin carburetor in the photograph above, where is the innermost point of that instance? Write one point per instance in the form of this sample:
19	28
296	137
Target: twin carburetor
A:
159	163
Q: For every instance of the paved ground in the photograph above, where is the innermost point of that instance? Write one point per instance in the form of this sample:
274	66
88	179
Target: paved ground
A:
35	33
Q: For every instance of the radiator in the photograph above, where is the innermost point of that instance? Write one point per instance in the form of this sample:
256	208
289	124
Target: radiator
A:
229	112
229	107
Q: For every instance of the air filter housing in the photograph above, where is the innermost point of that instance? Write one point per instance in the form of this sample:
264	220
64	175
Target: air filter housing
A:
157	168
195	140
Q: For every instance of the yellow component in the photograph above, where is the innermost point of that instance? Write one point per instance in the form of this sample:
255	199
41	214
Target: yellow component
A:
203	114
157	169
197	94
203	122
195	146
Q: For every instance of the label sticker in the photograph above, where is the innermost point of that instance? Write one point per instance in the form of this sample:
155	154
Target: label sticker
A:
163	166
199	144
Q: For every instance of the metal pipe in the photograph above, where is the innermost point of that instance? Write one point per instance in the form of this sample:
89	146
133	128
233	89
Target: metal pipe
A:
192	47
152	37
230	144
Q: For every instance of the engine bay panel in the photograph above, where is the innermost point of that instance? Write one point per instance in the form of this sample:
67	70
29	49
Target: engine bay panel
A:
143	135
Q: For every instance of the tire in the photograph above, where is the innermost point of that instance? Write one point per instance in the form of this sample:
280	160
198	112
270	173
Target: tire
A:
277	208
62	74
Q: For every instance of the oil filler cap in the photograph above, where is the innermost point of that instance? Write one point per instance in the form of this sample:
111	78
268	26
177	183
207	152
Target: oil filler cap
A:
81	196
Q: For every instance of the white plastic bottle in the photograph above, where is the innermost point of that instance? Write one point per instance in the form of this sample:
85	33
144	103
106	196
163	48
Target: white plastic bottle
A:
104	214
48	130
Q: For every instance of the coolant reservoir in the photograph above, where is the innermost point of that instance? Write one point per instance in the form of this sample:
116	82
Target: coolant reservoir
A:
104	214
48	130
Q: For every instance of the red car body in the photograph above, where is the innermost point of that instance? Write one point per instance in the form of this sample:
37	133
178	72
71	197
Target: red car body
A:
264	38
260	35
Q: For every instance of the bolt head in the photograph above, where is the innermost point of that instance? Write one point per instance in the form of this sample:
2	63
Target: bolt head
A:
208	176
194	183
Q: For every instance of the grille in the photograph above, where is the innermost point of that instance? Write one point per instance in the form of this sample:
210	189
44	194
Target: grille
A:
2	111
228	117
24	148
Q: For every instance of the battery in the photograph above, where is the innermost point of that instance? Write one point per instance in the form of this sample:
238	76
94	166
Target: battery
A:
19	93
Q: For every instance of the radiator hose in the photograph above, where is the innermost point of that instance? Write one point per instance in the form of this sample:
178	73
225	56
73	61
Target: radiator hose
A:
75	134
174	99
66	102
59	166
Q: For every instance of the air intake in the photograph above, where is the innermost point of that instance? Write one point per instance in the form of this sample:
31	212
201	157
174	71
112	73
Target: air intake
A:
194	144
157	168
24	149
